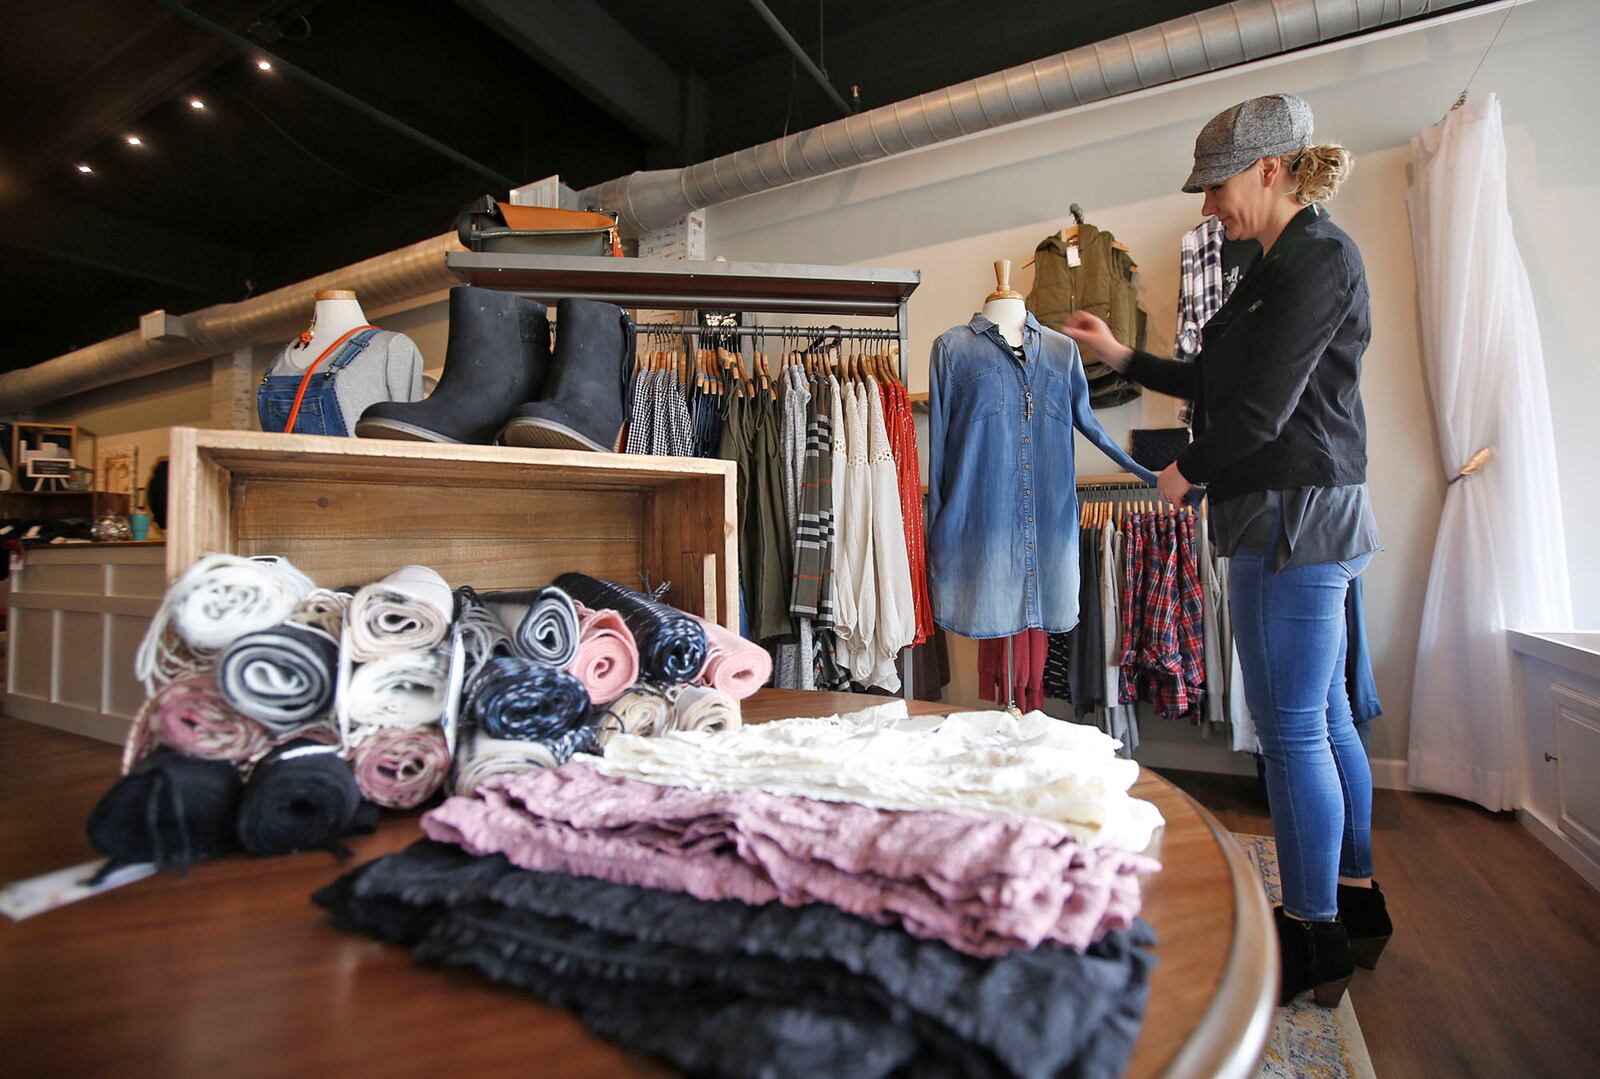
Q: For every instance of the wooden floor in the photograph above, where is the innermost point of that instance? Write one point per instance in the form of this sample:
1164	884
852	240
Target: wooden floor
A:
1494	969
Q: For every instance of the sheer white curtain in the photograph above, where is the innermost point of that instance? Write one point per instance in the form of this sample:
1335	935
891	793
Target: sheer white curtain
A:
1500	560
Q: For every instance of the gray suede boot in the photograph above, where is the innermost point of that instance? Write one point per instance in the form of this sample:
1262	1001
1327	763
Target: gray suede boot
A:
582	408
497	358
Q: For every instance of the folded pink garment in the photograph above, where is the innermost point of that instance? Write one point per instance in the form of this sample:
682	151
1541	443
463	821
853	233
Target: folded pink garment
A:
192	717
401	767
734	665
984	885
607	662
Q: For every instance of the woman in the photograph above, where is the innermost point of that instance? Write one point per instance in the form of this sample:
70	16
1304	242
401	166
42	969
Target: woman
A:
1280	443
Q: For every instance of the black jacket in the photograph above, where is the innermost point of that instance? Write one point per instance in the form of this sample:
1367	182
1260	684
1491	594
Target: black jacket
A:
1276	385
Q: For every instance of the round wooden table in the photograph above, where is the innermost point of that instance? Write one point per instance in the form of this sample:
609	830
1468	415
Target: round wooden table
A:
231	970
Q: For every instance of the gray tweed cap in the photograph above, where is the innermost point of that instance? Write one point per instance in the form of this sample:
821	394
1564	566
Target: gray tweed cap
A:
1237	138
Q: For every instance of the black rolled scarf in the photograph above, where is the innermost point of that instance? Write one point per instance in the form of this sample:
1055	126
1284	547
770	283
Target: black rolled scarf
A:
672	645
169	809
543	623
302	796
281	677
523	699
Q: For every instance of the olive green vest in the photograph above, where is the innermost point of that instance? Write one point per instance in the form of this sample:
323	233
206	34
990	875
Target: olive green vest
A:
1101	284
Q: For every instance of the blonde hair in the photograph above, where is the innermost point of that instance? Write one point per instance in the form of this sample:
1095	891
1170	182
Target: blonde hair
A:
1317	171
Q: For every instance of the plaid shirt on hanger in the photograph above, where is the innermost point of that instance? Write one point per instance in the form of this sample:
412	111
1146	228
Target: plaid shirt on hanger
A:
1191	619
1200	291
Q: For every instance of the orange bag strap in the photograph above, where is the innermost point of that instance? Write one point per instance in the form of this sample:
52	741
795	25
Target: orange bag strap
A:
305	379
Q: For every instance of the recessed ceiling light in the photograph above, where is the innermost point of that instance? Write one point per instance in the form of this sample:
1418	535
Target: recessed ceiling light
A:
135	140
263	65
84	167
196	103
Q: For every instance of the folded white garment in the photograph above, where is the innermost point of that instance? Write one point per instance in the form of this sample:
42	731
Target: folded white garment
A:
406	689
989	762
217	600
409	610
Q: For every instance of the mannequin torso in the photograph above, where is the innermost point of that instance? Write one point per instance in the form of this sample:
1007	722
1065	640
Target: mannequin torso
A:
337	313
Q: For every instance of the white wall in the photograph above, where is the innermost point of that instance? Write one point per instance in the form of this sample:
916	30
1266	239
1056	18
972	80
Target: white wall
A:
951	210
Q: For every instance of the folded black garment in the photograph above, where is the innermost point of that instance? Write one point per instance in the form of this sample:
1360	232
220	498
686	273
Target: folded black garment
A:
281	677
681	962
169	809
672	645
520	698
302	796
543	623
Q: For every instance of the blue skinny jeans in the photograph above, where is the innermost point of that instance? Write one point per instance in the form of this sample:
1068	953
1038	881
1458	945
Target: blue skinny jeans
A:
1289	628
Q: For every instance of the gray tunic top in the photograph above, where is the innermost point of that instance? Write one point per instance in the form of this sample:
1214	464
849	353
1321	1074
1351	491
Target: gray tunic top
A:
1320	524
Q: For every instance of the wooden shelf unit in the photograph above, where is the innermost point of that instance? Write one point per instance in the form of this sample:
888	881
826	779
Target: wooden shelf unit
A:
349	511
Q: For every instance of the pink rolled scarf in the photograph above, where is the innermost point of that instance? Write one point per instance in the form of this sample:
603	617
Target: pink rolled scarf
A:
607	662
400	768
191	716
734	665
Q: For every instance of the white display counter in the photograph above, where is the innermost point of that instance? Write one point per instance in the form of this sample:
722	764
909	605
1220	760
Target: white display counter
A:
76	616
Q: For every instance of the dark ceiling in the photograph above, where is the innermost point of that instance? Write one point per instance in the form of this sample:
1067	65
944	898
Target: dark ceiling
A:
275	180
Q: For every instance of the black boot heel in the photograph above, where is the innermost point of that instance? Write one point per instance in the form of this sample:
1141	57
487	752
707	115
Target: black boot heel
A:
1329	994
1367	949
1366	917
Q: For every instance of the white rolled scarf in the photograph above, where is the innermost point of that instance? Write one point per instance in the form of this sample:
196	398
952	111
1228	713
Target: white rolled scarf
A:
215	602
407	611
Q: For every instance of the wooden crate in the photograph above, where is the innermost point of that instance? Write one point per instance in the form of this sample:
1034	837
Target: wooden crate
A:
347	511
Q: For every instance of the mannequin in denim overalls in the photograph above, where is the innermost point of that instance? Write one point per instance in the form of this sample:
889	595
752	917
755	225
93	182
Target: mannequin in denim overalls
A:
334	397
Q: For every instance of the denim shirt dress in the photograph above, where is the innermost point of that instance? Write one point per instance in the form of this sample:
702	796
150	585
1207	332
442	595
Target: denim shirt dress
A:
1002	494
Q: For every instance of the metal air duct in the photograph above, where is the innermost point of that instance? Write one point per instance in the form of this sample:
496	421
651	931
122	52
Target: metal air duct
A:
1210	40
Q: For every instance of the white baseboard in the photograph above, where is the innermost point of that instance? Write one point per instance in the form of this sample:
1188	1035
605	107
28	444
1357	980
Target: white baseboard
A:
1216	757
1562	845
67	717
1389	774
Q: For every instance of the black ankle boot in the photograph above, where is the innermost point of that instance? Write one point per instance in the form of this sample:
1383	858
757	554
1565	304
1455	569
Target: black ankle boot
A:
496	359
1315	956
1366	918
582	406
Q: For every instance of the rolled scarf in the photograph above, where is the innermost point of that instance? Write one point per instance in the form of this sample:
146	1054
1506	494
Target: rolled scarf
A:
480	758
642	710
672	645
401	769
408	611
406	690
702	708
219	599
518	698
169	809
543	623
192	717
483	636
607	662
283	677
734	665
301	796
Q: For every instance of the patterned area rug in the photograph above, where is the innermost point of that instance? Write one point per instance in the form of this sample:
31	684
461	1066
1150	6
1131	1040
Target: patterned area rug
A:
1307	1042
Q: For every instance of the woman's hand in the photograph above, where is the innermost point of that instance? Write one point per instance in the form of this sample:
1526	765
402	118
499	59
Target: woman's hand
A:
1092	333
1172	485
